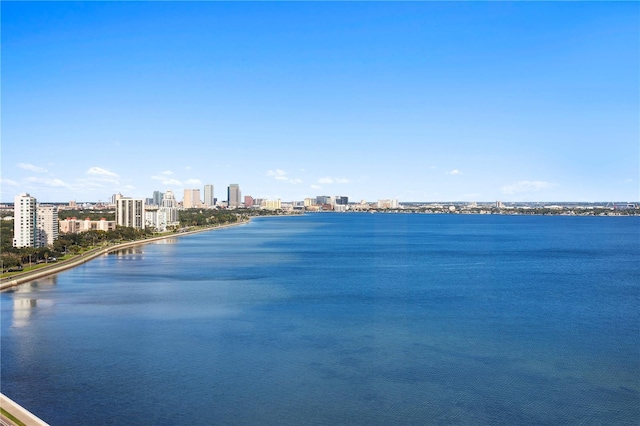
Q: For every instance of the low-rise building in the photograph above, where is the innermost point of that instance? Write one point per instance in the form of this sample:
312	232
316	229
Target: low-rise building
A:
74	225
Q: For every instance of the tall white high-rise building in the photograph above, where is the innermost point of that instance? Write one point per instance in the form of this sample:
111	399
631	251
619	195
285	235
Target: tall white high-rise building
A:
209	200
156	218
130	212
25	231
170	207
47	224
233	195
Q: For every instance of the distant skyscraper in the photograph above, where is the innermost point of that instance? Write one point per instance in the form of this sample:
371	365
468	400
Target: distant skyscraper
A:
157	198
170	207
130	212
248	201
323	199
115	198
191	199
341	200
24	221
233	195
209	200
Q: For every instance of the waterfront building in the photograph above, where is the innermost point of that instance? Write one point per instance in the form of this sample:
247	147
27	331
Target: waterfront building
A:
233	195
209	200
308	202
24	225
47	225
248	201
388	204
74	225
271	204
341	200
130	212
170	207
323	199
340	208
156	218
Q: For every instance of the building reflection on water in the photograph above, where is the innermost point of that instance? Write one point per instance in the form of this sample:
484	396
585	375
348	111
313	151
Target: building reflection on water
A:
38	284
24	307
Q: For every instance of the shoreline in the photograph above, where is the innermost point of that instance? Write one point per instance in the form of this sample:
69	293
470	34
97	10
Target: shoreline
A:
10	282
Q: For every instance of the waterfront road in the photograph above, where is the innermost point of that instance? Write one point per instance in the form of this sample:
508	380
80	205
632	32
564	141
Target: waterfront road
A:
16	414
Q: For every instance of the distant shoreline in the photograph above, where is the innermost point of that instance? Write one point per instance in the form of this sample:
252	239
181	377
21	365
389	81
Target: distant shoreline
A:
56	268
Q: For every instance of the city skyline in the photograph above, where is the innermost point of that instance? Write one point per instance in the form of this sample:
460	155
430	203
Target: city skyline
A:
410	101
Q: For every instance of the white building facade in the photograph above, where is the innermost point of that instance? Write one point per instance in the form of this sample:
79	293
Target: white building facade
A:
170	207
25	231
130	212
156	218
47	224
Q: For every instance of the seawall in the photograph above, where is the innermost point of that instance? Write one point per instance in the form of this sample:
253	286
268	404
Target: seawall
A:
92	254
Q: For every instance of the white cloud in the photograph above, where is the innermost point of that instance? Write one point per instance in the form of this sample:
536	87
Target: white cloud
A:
167	173
330	180
454	172
8	182
315	187
275	173
167	181
526	186
193	182
279	174
100	172
32	168
54	183
188	168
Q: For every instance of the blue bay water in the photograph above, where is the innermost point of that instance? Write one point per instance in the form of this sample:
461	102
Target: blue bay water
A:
340	319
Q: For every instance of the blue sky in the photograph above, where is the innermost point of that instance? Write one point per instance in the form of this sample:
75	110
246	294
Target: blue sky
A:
416	101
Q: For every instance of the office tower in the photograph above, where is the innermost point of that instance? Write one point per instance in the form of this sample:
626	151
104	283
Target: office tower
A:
209	200
191	199
341	200
157	198
170	207
130	212
248	201
323	199
47	224
24	221
233	195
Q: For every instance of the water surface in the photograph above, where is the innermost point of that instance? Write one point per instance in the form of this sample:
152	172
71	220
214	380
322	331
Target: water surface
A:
340	319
